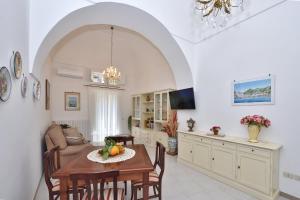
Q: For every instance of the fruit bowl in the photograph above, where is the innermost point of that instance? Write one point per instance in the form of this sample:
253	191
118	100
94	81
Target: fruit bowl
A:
111	149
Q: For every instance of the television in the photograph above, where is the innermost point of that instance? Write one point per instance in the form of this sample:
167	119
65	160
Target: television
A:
182	99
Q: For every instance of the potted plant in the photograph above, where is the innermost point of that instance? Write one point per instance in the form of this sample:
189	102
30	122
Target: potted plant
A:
171	129
255	122
215	129
129	122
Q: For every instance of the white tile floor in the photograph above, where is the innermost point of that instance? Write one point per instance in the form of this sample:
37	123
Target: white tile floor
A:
183	183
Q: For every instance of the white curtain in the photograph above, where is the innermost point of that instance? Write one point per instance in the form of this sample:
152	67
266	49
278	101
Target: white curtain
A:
104	113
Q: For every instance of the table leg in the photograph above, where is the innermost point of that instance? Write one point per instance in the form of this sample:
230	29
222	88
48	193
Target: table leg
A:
146	186
64	188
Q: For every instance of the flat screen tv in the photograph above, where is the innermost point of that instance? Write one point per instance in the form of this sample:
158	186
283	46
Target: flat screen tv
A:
182	99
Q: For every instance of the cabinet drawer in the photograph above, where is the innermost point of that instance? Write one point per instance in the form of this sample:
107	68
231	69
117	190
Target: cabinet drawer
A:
203	140
228	145
255	151
185	136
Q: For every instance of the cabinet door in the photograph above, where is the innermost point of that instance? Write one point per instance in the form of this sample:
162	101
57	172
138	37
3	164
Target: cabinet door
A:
202	155
157	106
224	161
185	150
254	171
164	106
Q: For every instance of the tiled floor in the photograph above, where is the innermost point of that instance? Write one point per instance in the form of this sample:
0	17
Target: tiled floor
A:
183	183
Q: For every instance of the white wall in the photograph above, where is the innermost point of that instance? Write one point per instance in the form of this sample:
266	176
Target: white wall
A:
142	64
22	121
268	43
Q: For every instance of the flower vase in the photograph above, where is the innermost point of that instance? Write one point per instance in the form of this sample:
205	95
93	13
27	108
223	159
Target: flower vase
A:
253	131
172	143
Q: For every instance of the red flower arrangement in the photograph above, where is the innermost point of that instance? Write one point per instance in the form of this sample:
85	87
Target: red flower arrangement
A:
256	120
172	125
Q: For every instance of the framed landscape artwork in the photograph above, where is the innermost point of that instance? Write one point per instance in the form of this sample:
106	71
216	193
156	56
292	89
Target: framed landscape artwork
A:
254	91
47	99
72	101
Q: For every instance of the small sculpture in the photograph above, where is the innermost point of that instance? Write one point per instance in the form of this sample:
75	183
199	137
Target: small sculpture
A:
190	124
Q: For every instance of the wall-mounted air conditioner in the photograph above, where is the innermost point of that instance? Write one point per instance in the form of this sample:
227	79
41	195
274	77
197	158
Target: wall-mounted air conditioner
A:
71	72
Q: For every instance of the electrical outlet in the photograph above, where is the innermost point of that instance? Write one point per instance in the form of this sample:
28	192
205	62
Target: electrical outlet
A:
291	176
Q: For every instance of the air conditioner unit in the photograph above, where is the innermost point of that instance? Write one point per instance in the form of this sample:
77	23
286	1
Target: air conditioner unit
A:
70	72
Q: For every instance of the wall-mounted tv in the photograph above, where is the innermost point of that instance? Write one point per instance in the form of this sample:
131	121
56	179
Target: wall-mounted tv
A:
182	99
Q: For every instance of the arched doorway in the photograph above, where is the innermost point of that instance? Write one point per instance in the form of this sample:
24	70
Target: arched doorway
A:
124	16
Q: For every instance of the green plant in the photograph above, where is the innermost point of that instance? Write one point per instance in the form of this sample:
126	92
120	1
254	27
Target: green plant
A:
130	123
109	143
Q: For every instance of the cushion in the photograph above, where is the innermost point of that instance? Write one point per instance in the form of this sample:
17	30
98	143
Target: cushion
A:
49	142
57	137
108	194
73	136
153	178
71	150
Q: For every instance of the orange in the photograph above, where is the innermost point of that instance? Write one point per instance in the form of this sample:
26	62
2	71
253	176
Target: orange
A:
114	151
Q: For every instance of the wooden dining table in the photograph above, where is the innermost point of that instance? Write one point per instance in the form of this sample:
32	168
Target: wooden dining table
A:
135	168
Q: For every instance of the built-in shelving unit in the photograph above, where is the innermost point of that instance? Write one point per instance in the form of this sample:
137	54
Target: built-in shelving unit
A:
150	111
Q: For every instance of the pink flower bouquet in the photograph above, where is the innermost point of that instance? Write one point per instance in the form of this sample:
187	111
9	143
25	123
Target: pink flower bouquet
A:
256	120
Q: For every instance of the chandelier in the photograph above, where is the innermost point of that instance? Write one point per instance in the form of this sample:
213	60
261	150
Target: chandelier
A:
111	73
217	12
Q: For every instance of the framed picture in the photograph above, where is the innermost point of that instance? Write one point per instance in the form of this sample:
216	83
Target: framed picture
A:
47	98
253	91
72	101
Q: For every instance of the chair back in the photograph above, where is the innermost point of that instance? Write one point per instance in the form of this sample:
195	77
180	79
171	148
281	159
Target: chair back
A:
160	158
92	181
122	138
51	164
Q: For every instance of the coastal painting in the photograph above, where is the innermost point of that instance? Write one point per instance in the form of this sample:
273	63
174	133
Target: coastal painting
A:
254	91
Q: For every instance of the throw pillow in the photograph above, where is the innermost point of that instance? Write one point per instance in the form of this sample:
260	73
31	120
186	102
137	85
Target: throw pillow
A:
57	137
73	136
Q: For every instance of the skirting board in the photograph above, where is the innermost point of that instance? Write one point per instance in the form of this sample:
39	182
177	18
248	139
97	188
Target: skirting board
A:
287	196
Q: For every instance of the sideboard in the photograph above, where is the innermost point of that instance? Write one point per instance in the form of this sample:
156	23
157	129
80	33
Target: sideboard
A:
250	167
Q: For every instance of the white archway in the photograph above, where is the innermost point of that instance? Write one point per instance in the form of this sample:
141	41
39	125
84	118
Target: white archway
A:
124	16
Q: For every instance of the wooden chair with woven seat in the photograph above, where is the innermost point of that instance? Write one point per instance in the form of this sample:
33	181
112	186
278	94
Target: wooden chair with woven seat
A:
51	164
93	191
155	179
122	139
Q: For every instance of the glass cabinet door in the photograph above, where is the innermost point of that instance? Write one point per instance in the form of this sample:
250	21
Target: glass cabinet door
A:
133	106
164	107
157	107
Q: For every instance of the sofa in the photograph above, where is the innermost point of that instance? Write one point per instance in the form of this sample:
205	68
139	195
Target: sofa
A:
70	141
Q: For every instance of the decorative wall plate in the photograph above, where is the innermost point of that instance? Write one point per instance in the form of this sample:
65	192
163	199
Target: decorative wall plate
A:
36	90
24	85
17	64
5	84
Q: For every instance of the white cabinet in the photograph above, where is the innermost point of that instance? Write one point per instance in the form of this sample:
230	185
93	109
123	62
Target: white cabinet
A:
224	161
161	106
202	155
136	103
252	168
186	150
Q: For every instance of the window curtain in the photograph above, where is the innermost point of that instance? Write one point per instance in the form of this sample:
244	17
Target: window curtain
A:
104	113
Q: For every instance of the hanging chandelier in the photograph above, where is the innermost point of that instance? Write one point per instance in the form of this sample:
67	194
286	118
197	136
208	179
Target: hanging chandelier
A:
111	73
217	12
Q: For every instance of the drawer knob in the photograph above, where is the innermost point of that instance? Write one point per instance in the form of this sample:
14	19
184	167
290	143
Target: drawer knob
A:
191	151
213	158
239	167
223	143
252	150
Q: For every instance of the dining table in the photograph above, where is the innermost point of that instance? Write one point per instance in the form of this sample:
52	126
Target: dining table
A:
135	168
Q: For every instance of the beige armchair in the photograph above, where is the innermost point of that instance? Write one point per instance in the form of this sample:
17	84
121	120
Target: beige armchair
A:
70	142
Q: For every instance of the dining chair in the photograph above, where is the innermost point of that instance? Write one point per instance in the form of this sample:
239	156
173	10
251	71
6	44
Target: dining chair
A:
51	164
122	139
155	179
93	181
